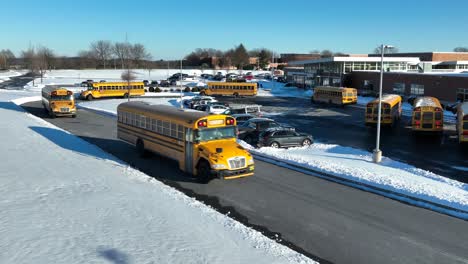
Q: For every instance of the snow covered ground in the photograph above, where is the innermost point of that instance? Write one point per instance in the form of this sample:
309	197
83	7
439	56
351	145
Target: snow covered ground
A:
350	163
5	75
67	201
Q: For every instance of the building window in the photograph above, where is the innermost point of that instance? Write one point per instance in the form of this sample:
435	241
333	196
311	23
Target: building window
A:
399	88
462	94
325	82
417	89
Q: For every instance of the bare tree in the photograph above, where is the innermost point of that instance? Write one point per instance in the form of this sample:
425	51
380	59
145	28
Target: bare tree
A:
461	49
29	56
42	60
87	59
102	50
138	53
6	56
120	51
128	75
378	50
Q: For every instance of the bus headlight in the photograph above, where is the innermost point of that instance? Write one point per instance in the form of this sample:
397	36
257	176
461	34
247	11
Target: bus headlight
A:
250	161
218	166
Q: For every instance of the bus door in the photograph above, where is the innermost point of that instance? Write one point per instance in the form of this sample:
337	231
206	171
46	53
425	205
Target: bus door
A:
189	150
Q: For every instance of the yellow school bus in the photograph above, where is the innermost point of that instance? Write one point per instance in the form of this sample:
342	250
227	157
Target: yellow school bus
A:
462	122
428	115
204	145
112	89
230	88
334	95
58	101
391	110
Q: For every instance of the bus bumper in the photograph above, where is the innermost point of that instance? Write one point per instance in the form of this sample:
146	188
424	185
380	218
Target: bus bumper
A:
58	113
233	174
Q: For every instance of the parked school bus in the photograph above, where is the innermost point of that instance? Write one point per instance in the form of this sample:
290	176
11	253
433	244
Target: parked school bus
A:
58	101
112	89
334	95
462	122
390	113
428	115
204	145
230	89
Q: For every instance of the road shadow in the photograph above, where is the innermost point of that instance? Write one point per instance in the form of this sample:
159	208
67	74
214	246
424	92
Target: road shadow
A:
10	106
71	142
113	255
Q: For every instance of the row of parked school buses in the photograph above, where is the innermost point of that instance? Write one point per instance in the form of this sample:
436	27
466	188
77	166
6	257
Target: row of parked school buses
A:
427	115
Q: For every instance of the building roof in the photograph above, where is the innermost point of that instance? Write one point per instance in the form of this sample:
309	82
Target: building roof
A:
357	59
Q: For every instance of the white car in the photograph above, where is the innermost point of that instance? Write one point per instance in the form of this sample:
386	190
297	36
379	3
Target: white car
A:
216	109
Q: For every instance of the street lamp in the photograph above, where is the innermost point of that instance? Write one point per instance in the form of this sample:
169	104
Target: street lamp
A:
377	154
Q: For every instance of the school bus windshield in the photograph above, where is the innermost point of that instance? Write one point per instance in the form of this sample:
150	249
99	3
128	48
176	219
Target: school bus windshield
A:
208	134
61	97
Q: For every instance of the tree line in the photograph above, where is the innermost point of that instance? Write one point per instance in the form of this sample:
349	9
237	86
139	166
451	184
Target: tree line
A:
238	57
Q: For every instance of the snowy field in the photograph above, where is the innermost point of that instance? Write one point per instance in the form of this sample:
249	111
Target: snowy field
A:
75	77
349	163
74	203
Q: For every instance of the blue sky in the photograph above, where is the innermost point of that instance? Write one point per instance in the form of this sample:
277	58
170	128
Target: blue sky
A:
171	29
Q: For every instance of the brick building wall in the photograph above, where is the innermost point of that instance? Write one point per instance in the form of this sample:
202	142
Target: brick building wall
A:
443	87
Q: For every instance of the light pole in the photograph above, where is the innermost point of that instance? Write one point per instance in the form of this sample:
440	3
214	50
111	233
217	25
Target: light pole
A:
377	154
180	83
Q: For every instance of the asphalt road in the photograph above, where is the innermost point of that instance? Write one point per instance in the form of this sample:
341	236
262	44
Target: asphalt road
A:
345	126
17	83
314	216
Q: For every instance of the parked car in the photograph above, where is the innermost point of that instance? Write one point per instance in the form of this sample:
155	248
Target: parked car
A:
163	83
241	118
145	82
201	107
206	76
218	77
251	129
102	81
216	108
202	100
280	137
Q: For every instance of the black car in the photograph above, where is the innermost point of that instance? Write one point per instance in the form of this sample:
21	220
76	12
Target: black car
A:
206	76
163	83
280	137
251	129
145	82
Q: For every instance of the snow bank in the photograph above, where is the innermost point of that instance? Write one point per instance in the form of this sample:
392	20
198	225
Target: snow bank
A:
74	203
357	165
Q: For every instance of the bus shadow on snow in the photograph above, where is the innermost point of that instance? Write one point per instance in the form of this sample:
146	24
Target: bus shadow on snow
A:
154	165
